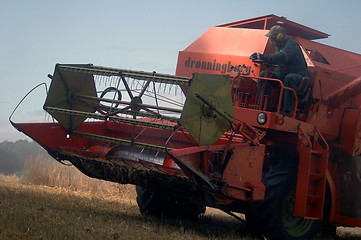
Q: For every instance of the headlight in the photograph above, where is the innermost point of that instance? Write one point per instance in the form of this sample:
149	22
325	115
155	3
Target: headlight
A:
262	118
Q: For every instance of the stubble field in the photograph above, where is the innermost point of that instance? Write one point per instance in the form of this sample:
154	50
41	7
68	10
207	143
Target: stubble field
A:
51	201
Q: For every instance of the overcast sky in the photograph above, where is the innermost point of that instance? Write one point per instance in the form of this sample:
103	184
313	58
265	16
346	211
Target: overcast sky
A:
138	35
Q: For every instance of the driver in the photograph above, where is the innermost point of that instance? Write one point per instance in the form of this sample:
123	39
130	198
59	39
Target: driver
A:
291	65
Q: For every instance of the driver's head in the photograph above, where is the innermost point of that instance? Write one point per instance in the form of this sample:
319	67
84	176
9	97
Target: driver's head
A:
276	34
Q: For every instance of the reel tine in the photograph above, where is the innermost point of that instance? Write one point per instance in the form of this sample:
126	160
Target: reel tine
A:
133	83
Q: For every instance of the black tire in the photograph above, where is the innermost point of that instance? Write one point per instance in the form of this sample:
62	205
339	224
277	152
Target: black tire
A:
328	231
274	216
152	205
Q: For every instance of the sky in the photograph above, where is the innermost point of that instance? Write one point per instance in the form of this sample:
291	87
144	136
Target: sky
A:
134	34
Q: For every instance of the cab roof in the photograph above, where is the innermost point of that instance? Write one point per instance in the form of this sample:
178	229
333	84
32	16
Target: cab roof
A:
266	22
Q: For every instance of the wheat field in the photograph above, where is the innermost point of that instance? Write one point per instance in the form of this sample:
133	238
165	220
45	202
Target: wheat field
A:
52	201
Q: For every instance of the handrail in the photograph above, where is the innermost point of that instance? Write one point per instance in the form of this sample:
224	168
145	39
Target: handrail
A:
280	98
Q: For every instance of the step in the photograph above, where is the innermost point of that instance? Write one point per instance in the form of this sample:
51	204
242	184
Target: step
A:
313	199
311	218
313	177
318	152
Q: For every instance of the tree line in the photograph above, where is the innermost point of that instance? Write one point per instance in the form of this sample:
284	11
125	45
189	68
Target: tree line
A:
14	154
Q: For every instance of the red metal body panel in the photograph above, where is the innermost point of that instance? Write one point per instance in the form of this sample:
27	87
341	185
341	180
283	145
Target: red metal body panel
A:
335	67
217	50
245	168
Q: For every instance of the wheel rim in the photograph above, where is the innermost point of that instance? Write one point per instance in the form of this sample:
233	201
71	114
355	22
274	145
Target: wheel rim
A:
295	226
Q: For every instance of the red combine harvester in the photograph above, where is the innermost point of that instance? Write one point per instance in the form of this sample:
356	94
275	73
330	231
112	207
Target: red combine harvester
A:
291	176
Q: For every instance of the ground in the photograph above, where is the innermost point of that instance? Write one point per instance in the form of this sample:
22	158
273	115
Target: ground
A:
31	211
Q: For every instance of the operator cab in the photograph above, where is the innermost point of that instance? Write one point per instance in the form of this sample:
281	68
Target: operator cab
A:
244	92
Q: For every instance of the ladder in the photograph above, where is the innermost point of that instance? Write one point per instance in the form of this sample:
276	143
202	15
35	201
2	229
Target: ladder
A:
311	182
